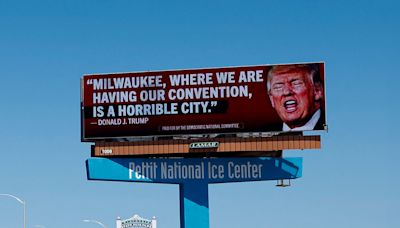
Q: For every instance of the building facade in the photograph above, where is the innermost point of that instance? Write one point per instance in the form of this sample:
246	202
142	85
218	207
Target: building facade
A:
136	222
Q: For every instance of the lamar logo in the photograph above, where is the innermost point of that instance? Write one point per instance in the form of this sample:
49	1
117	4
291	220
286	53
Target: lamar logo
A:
202	145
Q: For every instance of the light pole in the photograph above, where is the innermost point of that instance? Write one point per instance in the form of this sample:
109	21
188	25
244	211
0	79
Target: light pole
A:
95	221
21	201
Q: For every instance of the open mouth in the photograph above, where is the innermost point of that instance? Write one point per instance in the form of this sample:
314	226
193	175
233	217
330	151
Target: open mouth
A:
290	105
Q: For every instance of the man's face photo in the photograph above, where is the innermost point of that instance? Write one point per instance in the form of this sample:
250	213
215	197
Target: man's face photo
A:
292	94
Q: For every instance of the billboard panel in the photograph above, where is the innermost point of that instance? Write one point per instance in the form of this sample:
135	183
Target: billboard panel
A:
183	170
265	98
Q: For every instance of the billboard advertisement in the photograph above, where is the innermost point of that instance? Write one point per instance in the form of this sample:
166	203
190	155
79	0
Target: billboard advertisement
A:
199	170
264	98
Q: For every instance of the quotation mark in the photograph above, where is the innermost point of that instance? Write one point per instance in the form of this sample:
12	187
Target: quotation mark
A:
213	104
89	82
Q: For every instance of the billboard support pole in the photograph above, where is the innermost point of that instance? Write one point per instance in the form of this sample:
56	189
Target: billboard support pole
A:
194	211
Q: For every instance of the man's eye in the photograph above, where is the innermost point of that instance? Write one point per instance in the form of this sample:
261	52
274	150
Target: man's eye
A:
297	83
277	86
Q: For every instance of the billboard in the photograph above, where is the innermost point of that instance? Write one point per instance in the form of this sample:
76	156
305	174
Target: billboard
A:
199	170
264	98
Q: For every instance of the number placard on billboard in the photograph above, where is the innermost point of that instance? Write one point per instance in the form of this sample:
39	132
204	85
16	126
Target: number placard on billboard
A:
265	98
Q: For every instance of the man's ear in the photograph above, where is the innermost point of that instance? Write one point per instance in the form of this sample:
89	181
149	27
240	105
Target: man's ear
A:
318	92
272	101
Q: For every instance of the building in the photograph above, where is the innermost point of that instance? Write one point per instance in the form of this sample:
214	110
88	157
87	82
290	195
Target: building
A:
136	222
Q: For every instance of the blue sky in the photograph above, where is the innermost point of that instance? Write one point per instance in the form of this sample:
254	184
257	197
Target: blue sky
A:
46	46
